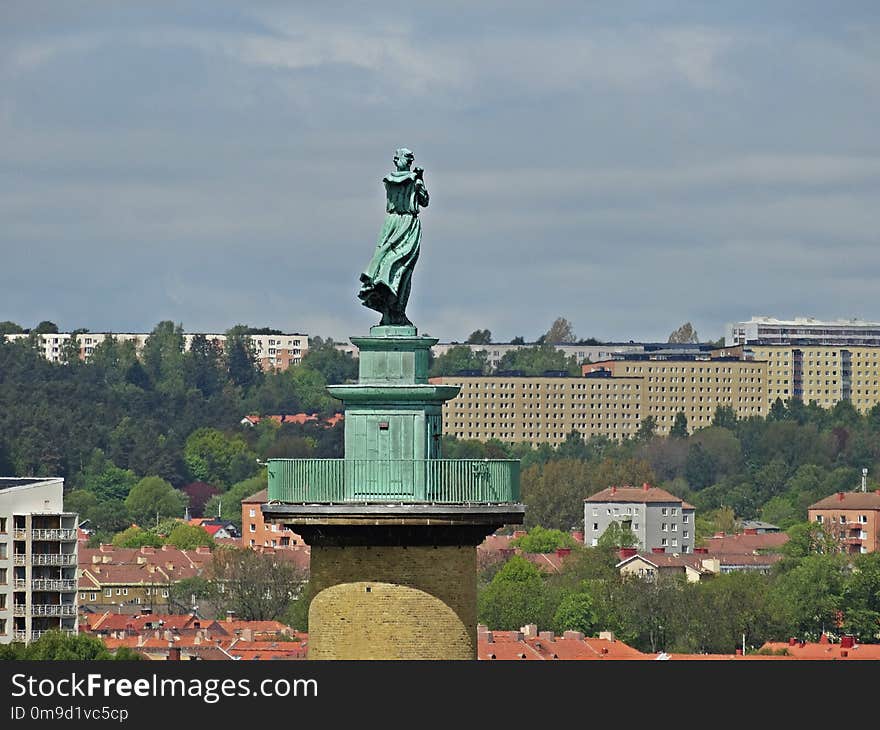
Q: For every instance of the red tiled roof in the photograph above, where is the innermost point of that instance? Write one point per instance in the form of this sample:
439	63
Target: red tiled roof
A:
640	495
744	543
849	500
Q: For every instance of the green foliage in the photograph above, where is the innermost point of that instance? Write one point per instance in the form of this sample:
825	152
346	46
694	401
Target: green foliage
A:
217	458
153	498
230	501
515	597
334	365
576	612
554	493
460	358
58	646
679	426
10	328
479	337
135	537
104	479
45	328
542	540
538	359
617	536
241	357
189	537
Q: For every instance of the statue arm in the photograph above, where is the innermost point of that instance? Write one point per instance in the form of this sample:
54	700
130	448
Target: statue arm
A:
421	193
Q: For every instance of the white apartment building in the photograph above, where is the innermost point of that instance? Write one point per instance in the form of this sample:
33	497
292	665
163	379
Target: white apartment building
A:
803	331
274	352
38	559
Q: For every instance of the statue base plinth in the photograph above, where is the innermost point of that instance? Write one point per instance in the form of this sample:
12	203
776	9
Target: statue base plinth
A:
393	330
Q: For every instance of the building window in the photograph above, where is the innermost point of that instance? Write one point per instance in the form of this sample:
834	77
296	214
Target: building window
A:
165	593
108	592
253	527
93	597
663	527
684	518
663	542
674	527
664	511
819	519
684	535
253	513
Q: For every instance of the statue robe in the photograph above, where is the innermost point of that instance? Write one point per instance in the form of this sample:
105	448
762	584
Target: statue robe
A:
385	284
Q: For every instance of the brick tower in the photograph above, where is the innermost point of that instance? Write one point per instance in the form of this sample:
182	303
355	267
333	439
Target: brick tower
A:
393	527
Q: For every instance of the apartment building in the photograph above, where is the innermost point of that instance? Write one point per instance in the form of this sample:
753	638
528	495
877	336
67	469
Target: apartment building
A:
660	521
851	517
804	330
825	374
274	352
38	559
256	533
611	399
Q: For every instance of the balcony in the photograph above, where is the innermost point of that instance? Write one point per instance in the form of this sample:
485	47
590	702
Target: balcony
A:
53	559
19	584
19	559
19	534
54	534
433	481
19	609
19	636
37	634
53	584
53	609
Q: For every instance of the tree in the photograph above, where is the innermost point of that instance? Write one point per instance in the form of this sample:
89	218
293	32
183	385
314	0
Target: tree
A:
228	504
217	458
479	337
241	357
10	328
460	358
647	428
560	332
542	540
135	537
514	597
334	365
45	328
55	645
104	479
679	426
162	355
153	497
539	359
576	612
684	334
700	467
724	417
198	494
189	537
554	493
618	536
518	341
256	586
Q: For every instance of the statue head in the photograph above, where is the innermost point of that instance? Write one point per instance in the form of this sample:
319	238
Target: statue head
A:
403	158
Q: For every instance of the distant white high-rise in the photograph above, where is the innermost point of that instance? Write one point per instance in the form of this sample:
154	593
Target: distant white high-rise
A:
38	559
802	330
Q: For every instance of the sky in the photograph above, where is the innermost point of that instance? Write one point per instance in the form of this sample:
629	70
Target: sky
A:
628	166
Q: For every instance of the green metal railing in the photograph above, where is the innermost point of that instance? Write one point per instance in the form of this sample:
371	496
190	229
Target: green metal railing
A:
448	481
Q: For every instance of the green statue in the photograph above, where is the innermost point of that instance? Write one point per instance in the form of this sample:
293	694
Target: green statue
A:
385	284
